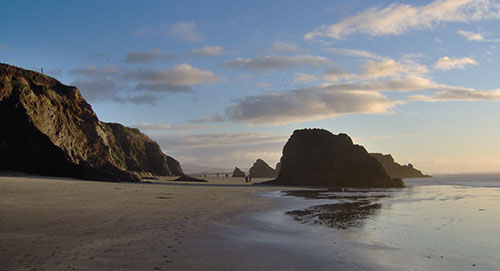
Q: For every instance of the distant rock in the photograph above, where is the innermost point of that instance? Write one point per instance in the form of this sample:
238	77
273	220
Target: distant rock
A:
237	173
396	170
186	178
261	169
278	167
316	157
48	128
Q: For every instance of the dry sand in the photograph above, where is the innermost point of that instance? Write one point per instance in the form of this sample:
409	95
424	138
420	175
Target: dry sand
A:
66	224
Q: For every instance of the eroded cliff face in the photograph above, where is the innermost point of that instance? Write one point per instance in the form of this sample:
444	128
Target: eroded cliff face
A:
395	170
316	157
49	129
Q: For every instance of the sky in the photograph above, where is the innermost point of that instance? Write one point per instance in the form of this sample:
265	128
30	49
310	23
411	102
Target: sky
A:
222	83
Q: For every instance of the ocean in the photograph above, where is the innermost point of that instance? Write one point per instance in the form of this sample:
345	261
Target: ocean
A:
448	222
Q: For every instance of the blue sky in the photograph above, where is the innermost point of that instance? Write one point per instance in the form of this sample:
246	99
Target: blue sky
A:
222	83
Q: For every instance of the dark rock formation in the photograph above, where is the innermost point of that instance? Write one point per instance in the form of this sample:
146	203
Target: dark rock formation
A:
186	178
396	170
278	168
261	169
238	173
49	129
316	157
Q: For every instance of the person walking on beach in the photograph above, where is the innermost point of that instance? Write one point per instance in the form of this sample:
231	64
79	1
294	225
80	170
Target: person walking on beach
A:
246	179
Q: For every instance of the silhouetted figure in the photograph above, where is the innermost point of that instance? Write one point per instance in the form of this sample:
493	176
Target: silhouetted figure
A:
217	174
246	179
227	175
41	69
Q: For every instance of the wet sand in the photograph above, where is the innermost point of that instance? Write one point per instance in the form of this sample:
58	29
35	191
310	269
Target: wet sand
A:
67	224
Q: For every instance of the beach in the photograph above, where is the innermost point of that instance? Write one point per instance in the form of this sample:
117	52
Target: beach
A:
67	224
441	223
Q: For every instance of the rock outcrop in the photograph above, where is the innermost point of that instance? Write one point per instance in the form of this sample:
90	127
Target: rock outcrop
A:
186	178
396	170
316	157
237	173
261	169
48	128
278	168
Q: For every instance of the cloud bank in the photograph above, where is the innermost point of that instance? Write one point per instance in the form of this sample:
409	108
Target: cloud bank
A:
269	63
149	56
447	63
207	50
141	85
307	104
397	19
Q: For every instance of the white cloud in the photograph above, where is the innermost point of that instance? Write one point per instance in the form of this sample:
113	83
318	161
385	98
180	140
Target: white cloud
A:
308	104
187	141
397	19
305	78
185	30
447	63
354	52
407	84
122	85
213	50
278	62
391	68
152	55
325	101
471	35
458	94
336	74
285	47
179	75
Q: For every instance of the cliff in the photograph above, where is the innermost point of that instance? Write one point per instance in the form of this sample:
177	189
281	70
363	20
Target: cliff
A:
316	157
261	169
396	170
48	128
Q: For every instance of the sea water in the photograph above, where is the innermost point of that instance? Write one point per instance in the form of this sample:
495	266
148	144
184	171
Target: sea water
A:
448	222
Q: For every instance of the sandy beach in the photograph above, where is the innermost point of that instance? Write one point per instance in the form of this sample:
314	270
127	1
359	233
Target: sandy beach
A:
66	224
225	224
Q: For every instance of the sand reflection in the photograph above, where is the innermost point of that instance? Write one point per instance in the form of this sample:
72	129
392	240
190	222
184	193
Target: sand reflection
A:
350	208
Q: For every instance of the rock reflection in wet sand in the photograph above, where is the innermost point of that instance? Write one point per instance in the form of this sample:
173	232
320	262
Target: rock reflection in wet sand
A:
348	212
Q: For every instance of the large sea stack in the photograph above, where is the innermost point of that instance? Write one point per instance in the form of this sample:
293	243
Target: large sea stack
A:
261	169
395	170
48	128
316	157
237	173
